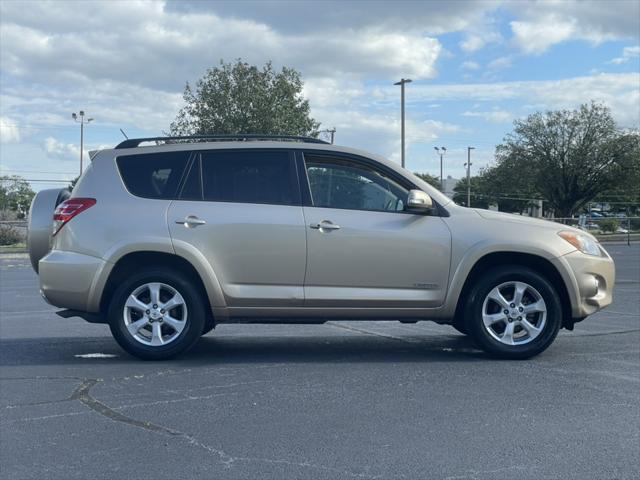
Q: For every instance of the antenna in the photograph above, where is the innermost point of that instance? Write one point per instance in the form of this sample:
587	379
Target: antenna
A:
125	135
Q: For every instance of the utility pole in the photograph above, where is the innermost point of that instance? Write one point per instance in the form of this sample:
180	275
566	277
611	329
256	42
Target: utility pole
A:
401	83
468	165
79	118
441	151
331	131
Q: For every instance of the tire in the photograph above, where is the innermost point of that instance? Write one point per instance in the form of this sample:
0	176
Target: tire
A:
209	325
460	326
517	329
159	334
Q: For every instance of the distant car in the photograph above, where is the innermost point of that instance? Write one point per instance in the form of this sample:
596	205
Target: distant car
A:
164	242
592	226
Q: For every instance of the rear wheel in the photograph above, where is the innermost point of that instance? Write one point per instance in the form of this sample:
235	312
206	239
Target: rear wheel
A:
513	312
157	314
460	326
208	326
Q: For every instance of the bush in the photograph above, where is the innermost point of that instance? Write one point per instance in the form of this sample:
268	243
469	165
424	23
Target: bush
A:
7	215
10	235
609	225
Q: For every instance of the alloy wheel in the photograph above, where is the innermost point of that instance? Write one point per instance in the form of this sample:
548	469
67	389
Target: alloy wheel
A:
155	314
514	313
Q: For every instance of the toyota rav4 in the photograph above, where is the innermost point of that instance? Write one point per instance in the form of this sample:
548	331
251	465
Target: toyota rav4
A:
164	242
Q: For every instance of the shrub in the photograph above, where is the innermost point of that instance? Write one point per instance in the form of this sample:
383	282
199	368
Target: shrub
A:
7	215
609	225
10	235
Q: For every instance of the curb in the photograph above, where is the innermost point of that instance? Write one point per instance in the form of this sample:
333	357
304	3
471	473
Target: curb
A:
12	255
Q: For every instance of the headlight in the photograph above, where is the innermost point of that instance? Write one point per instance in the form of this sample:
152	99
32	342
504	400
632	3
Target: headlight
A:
582	242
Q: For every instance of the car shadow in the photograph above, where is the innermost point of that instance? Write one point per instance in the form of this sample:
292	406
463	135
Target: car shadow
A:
229	350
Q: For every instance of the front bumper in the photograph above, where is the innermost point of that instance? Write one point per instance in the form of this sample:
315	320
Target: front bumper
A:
71	280
589	280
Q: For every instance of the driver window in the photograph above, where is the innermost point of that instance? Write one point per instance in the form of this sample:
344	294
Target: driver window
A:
340	184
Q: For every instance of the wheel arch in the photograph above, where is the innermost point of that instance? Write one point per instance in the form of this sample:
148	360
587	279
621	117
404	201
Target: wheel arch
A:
535	262
133	261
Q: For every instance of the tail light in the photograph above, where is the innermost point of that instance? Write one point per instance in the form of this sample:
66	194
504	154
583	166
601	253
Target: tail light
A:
69	209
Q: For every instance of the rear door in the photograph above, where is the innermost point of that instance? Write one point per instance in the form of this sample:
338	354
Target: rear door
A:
242	210
364	249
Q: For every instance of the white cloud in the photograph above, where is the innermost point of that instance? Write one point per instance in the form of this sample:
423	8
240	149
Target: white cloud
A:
333	92
470	65
8	130
380	132
472	43
628	53
536	37
145	44
477	40
493	116
619	91
500	63
541	24
58	150
434	17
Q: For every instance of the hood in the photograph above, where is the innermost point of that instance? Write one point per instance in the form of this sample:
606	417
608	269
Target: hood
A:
510	217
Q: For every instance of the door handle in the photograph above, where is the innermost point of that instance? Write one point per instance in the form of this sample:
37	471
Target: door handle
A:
191	221
325	225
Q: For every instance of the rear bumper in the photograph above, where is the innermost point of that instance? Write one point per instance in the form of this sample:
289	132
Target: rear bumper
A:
71	280
589	280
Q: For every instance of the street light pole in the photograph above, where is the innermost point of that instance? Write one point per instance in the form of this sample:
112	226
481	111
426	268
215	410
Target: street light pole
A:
441	151
468	165
401	83
79	118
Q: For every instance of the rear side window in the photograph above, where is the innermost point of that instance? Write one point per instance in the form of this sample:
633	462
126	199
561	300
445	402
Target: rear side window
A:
256	176
153	175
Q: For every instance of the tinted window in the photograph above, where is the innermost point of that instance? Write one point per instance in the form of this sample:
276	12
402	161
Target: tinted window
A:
153	175
340	184
249	177
192	187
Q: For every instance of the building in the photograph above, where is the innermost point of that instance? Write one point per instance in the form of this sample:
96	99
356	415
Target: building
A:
449	184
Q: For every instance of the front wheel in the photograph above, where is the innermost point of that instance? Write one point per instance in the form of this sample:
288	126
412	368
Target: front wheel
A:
513	312
157	314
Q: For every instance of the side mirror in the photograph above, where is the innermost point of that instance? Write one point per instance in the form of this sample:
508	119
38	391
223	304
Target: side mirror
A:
419	201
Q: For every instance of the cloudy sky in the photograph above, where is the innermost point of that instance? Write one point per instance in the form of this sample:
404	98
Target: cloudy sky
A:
476	66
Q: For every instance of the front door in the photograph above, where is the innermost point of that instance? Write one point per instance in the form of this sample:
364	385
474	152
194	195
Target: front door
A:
241	209
364	250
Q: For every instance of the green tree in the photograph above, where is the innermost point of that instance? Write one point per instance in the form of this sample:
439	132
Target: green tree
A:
15	194
430	179
236	98
480	198
626	189
568	157
73	183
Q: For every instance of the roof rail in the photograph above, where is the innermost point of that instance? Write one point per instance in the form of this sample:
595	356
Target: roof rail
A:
135	142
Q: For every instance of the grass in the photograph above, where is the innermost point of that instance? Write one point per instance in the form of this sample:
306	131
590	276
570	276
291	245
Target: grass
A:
15	248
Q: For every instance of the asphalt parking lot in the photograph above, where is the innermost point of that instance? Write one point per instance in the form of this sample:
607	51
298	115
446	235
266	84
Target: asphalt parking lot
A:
340	400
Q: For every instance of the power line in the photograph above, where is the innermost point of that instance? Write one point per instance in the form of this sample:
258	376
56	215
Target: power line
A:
34	171
41	180
52	127
528	199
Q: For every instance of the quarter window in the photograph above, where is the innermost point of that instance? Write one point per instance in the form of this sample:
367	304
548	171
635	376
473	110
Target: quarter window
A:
153	175
249	177
341	184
